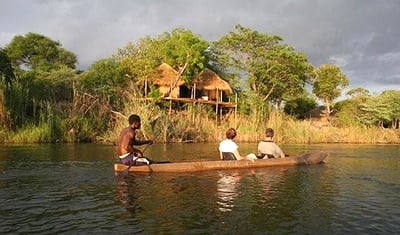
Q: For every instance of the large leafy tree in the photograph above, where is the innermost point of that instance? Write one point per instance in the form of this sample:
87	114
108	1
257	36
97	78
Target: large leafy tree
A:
393	98
349	109
44	74
6	78
6	71
105	80
383	109
183	50
274	71
328	84
138	58
358	92
299	106
33	51
97	93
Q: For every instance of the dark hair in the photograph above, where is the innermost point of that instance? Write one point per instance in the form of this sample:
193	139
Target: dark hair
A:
269	132
231	133
133	118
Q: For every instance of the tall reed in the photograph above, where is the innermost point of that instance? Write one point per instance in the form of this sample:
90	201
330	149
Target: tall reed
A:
31	134
199	123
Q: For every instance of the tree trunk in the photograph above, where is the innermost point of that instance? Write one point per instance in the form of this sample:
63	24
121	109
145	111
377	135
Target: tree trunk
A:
328	109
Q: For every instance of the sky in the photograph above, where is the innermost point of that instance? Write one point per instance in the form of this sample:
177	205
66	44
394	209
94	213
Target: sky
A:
362	37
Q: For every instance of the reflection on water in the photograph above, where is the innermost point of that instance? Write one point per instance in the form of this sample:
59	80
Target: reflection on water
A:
226	186
52	189
263	184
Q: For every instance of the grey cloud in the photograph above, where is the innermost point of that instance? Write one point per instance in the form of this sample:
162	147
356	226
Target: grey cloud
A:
361	36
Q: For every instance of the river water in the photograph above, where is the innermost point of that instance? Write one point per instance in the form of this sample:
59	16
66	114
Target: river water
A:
72	189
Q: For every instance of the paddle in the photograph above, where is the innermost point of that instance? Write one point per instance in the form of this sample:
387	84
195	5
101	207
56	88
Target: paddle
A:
153	123
154	138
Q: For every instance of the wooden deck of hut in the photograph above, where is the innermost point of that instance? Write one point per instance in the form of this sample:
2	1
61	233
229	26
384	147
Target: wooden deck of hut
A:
218	105
208	88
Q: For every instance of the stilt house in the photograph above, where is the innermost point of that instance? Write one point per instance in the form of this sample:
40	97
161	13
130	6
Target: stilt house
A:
209	86
165	79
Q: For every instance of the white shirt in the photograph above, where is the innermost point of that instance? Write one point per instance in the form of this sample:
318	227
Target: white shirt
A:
227	146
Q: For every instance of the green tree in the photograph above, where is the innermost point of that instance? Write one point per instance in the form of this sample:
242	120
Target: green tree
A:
383	109
105	79
393	97
139	59
98	92
6	70
37	52
358	92
274	71
328	84
44	75
300	105
348	110
181	49
6	78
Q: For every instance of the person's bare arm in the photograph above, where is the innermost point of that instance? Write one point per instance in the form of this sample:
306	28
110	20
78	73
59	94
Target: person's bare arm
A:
238	156
141	142
281	153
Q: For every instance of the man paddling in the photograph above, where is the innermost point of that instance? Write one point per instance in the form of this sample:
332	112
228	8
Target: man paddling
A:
128	154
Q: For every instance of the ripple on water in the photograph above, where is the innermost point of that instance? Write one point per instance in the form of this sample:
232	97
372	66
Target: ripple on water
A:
349	194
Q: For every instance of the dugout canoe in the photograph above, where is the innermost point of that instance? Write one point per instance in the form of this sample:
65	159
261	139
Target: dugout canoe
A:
306	159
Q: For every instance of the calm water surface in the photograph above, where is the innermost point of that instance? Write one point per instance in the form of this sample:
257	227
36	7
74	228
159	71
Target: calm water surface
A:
72	189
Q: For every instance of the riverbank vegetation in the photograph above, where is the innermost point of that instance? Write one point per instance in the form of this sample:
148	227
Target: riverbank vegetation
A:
45	99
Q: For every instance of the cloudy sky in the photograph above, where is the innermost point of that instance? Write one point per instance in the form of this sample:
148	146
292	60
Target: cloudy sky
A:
361	36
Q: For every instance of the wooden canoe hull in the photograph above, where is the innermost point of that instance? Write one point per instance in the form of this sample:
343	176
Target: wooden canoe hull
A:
306	159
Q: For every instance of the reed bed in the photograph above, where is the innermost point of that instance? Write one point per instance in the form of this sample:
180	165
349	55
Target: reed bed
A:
195	126
31	134
196	123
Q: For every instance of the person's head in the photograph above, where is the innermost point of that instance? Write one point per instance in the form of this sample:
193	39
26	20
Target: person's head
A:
231	133
269	132
134	121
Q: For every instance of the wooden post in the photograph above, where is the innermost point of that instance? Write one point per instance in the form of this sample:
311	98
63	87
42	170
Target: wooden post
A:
216	108
235	107
170	107
193	112
216	113
220	113
145	88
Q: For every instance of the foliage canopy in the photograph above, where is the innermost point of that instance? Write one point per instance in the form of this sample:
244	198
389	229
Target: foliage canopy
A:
37	52
274	71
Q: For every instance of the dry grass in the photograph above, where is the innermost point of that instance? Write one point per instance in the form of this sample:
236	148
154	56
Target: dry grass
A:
290	131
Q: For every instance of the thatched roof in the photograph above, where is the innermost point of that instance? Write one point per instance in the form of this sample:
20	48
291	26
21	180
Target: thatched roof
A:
165	76
209	80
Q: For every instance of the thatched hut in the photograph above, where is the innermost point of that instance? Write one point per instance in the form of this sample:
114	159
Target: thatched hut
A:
319	114
165	80
211	86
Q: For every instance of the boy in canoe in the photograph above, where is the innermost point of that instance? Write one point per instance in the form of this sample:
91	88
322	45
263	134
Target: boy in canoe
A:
267	148
228	149
128	154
